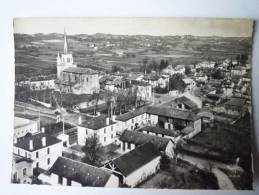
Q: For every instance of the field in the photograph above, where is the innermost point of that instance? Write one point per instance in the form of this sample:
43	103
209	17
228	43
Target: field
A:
36	54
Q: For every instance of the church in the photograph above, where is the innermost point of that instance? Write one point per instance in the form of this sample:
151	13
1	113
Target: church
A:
73	79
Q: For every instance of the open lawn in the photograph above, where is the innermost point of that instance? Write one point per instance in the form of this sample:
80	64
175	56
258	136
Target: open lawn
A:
181	176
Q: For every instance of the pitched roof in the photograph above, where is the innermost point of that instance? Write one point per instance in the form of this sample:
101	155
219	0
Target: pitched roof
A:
83	173
78	70
129	115
159	130
186	101
37	141
138	157
172	113
236	102
139	138
96	123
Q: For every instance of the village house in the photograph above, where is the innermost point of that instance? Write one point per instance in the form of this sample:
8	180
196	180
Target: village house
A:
23	126
183	103
179	69
129	140
22	170
205	64
41	148
104	127
144	162
68	172
143	90
190	84
238	71
135	119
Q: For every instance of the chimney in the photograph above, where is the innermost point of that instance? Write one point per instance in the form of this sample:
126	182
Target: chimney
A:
43	130
80	120
113	118
31	144
43	140
107	121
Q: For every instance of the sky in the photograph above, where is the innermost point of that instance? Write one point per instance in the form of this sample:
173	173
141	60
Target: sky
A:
136	26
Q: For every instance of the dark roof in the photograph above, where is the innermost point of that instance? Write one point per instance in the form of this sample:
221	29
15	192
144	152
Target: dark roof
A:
96	123
171	113
139	138
161	111
78	70
159	130
236	102
186	101
129	115
137	158
83	173
37	141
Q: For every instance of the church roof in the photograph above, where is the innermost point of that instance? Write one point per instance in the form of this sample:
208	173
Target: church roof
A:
77	70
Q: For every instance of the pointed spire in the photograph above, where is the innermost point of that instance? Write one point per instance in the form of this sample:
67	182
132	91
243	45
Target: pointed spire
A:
65	42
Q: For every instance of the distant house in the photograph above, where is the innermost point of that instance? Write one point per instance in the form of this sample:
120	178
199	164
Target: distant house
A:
68	172
137	165
205	64
175	93
190	84
22	169
238	71
41	148
143	90
104	127
129	140
179	69
23	126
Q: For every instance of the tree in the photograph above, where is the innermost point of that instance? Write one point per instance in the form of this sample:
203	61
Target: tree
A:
187	70
163	65
96	98
176	83
116	68
92	150
145	63
217	74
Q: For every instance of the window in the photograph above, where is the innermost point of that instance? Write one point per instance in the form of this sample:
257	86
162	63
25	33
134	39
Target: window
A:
132	120
111	128
48	150
37	154
86	79
60	180
111	136
48	161
18	152
104	139
24	172
123	146
104	130
25	154
69	182
37	164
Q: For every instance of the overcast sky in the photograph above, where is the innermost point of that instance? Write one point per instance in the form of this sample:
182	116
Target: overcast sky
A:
134	26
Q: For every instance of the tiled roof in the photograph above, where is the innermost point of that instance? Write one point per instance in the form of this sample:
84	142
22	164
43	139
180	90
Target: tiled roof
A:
37	141
236	102
129	115
78	70
186	101
85	174
159	130
139	138
96	123
171	113
137	158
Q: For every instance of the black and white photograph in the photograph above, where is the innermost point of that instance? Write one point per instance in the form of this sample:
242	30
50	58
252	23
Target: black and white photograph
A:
133	102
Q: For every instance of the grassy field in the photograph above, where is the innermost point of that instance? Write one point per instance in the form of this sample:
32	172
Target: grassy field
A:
36	54
181	176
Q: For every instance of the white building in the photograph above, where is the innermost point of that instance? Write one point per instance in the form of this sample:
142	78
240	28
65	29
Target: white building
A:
41	148
104	127
68	172
22	126
144	161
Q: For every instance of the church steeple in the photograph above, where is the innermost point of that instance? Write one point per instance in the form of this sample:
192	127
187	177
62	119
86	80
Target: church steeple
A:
65	42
